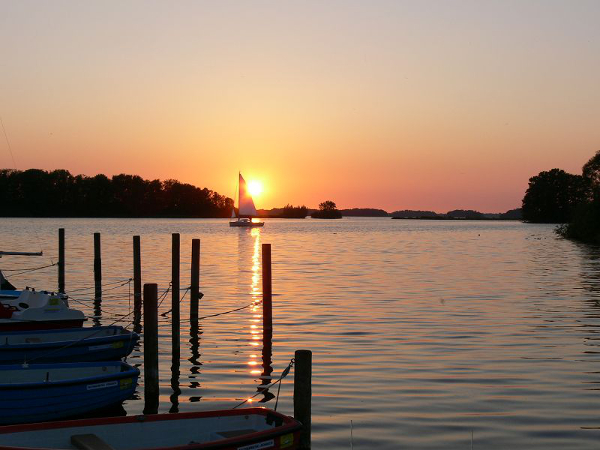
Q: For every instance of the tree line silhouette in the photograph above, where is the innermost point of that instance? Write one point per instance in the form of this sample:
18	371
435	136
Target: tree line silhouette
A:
556	196
40	193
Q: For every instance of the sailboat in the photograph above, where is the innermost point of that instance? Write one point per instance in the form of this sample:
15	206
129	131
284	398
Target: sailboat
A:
246	208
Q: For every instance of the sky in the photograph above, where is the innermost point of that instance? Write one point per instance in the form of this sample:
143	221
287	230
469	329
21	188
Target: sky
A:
429	105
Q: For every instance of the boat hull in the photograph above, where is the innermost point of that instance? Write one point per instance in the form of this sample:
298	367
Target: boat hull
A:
56	391
225	430
21	325
246	224
67	345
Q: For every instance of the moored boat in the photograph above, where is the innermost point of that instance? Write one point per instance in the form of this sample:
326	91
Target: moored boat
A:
240	429
37	310
108	343
40	392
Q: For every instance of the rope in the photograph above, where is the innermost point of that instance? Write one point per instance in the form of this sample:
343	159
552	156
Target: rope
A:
8	144
31	269
163	296
180	300
226	312
123	282
269	386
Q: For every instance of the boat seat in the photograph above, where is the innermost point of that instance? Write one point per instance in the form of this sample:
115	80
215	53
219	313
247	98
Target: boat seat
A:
235	433
89	442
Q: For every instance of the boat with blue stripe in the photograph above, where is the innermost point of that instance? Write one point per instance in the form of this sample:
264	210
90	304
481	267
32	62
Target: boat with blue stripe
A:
41	392
108	343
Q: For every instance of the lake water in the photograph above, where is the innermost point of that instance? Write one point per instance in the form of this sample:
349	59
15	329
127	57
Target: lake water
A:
425	334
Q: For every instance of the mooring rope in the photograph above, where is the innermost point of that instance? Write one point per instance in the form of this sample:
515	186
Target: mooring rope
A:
180	300
30	269
269	386
123	282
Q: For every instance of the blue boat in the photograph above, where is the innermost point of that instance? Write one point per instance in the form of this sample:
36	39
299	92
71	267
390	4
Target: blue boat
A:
42	392
109	343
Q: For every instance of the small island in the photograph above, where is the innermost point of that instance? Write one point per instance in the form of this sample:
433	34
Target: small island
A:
327	210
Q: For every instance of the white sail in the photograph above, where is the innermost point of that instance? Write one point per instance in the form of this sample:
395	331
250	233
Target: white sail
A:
246	204
233	213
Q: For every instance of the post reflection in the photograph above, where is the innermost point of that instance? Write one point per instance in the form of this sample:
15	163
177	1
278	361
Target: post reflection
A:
195	333
175	365
97	308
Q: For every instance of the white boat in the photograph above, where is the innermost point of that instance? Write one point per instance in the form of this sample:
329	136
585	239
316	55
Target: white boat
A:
232	429
246	208
34	310
37	310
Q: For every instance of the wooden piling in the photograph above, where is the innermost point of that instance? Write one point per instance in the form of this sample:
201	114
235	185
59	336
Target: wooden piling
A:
151	348
175	312
97	268
61	260
195	280
137	277
267	288
302	394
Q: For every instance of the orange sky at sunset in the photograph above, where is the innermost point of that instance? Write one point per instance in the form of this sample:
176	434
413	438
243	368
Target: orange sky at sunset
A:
386	104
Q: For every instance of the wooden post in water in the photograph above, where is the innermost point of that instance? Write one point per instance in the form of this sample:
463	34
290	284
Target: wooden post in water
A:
137	279
97	268
302	394
151	348
175	314
267	288
61	260
195	280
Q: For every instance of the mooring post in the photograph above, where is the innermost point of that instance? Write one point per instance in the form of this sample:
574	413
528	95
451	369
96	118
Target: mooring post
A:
61	260
97	268
302	394
195	280
137	279
267	288
151	348
175	314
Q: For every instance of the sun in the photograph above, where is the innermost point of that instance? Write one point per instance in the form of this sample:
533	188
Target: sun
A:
255	188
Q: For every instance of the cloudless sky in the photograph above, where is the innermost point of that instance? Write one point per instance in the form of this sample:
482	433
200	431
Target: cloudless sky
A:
431	105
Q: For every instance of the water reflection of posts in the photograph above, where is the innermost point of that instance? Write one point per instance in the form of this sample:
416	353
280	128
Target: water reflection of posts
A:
97	280
175	324
195	333
151	348
137	282
267	288
267	353
175	364
61	260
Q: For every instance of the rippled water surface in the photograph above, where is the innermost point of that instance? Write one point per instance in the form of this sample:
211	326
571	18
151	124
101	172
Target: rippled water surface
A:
425	334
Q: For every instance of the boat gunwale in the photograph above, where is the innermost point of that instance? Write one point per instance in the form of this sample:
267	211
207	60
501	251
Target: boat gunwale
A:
130	371
289	425
128	336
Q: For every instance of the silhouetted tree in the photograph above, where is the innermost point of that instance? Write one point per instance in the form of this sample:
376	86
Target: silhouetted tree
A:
591	174
294	212
59	194
553	196
327	210
584	224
